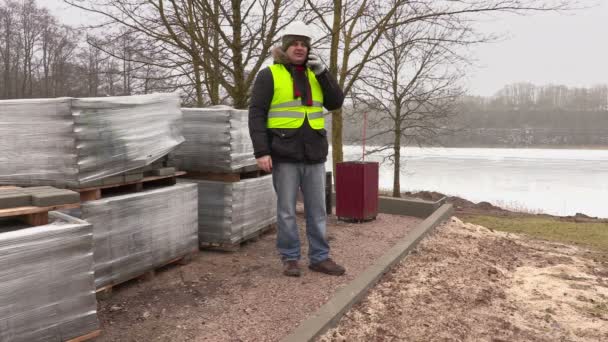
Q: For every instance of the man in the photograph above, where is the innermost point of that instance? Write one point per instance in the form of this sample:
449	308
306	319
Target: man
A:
286	124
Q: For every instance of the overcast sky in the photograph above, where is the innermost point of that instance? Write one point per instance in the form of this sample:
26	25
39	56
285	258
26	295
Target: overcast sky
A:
542	48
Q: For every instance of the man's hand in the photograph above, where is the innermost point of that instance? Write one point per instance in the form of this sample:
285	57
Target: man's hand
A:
315	64
265	163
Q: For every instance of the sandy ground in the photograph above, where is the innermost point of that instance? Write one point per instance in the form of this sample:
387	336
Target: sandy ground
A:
241	296
467	283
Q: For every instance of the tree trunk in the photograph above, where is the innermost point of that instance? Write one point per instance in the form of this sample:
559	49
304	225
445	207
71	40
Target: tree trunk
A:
397	165
198	83
30	77
240	97
7	57
45	63
336	137
214	83
240	91
336	116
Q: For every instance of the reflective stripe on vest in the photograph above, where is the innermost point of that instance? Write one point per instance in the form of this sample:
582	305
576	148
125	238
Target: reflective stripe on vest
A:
287	112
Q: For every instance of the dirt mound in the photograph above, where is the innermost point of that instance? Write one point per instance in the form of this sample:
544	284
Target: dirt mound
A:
465	207
486	206
467	283
426	195
458	202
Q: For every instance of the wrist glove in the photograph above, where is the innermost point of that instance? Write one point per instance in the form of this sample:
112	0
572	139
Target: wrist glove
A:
315	64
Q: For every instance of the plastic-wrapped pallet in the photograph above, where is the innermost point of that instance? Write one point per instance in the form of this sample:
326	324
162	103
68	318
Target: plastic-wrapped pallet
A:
46	280
217	140
138	232
232	212
69	142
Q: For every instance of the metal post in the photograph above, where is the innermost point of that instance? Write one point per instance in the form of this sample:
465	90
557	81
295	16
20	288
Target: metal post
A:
363	135
328	192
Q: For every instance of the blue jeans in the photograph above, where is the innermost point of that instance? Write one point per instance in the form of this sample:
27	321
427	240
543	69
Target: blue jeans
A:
288	178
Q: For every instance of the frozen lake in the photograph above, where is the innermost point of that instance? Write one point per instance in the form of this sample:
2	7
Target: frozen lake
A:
552	181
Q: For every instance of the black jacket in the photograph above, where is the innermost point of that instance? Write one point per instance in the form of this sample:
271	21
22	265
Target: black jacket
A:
303	144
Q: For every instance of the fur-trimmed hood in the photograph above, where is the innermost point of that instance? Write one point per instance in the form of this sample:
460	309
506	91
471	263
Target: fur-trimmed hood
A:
279	56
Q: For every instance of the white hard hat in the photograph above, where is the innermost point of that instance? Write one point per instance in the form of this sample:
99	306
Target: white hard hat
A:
298	28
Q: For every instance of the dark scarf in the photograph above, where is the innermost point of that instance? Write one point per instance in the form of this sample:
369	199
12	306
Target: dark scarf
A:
301	85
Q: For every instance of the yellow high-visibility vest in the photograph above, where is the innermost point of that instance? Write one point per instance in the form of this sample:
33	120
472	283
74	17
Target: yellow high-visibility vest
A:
287	112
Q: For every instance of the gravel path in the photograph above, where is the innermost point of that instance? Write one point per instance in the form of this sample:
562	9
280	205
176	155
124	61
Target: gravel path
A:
242	296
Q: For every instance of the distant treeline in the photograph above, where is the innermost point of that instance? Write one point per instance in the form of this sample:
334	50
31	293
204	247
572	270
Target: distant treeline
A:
523	115
527	137
528	97
41	57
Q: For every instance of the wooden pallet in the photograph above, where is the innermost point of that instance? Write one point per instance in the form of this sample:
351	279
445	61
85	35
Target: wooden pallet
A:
236	246
106	291
244	173
35	216
95	193
86	337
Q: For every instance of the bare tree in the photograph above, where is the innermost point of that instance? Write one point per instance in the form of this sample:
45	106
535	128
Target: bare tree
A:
411	89
30	20
40	57
48	42
91	66
354	27
34	49
225	41
8	50
58	44
142	65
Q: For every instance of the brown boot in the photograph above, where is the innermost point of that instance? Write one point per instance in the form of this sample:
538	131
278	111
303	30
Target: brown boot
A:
328	266
291	268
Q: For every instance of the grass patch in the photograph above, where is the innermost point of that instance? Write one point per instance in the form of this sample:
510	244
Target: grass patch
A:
593	235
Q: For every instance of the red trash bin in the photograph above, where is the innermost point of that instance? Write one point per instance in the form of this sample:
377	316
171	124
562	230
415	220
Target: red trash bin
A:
357	191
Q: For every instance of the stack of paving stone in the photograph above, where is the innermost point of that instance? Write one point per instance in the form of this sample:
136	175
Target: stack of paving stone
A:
216	140
159	171
153	170
137	232
81	144
232	212
46	280
38	196
69	142
126	177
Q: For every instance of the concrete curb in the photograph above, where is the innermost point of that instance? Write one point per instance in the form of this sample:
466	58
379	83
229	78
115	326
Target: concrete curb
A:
408	206
330	313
